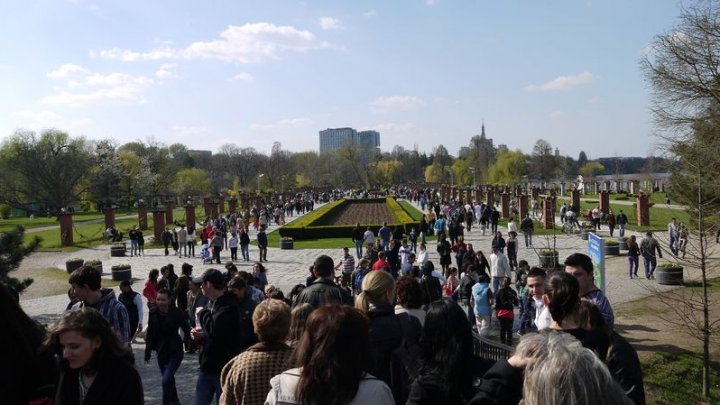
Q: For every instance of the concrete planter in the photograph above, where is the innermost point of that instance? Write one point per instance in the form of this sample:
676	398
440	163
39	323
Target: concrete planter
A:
286	244
71	265
120	273
548	260
612	250
669	275
622	244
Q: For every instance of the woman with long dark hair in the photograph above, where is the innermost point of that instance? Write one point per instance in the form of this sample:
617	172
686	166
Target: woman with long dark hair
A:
447	367
97	368
331	363
162	337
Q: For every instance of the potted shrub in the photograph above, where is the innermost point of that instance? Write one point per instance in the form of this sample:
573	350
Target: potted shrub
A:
622	243
73	264
586	229
612	247
669	274
286	243
548	258
118	249
96	264
121	272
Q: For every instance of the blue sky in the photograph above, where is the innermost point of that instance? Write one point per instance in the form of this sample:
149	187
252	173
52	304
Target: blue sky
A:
421	72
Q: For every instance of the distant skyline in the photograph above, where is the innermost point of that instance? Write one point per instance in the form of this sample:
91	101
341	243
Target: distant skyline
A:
421	72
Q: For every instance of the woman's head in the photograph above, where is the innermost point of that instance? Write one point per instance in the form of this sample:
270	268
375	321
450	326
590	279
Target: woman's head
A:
258	267
84	339
506	282
333	353
271	320
163	300
298	319
377	287
563	295
409	294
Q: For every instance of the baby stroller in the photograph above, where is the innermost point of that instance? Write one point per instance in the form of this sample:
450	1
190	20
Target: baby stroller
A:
205	255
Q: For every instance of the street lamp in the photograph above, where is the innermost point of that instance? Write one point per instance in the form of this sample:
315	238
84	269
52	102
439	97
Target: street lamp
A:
472	170
452	180
259	177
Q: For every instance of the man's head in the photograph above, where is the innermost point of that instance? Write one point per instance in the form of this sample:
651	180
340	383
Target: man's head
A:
237	285
536	282
346	252
85	281
323	266
212	282
581	267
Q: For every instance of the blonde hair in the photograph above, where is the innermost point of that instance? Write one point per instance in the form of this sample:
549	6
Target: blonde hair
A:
271	320
375	286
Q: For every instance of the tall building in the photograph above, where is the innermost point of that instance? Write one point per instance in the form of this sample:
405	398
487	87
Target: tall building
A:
333	139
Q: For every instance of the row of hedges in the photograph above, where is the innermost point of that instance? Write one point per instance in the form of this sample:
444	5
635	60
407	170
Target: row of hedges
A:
303	228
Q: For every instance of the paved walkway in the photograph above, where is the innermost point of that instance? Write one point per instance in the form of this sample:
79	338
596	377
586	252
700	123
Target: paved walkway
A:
287	268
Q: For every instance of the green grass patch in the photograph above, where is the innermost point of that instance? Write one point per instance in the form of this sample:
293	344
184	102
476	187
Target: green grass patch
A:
39	222
59	278
676	378
660	215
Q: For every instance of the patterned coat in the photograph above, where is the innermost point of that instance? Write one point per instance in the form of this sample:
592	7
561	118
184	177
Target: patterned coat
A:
246	378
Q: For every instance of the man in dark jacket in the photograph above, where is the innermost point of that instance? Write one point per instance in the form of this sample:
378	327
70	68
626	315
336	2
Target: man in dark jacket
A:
220	336
357	237
323	290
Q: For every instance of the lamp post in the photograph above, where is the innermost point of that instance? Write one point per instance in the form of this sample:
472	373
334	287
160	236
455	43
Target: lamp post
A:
472	170
259	177
452	180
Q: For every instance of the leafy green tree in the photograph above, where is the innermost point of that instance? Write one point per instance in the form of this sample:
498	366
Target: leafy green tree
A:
543	162
14	251
509	168
591	169
192	182
49	169
107	174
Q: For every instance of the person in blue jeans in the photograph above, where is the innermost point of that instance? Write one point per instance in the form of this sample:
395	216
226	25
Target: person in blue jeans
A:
385	234
162	337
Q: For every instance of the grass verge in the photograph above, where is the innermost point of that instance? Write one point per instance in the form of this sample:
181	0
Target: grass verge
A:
676	378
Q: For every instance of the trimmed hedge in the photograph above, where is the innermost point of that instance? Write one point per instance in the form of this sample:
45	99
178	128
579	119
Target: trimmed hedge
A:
304	227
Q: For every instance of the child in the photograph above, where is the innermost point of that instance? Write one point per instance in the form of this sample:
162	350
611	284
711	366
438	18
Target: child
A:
505	301
233	245
512	248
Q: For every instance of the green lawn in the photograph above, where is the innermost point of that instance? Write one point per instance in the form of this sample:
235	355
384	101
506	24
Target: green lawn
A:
675	378
660	216
27	223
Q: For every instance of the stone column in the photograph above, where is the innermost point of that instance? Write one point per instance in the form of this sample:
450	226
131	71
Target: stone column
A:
207	206
562	188
522	206
158	224
169	205
605	201
548	212
490	196
66	228
142	215
575	200
478	195
109	218
233	205
643	210
536	193
221	204
505	205
189	215
214	209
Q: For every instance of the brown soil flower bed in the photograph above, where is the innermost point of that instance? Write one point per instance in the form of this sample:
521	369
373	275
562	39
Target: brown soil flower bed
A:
363	213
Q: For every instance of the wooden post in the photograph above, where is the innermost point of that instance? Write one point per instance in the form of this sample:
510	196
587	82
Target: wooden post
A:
66	228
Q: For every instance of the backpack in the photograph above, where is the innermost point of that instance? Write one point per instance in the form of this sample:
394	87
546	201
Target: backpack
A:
358	280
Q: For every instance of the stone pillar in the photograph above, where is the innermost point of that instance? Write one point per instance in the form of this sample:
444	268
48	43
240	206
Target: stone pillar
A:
643	210
562	188
232	202
548	212
605	201
207	206
221	204
214	209
575	200
189	215
505	205
109	218
522	206
66	228
158	224
142	215
490	196
169	205
478	195
536	193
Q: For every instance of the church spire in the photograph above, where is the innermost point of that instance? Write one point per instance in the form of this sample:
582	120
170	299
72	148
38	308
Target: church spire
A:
482	133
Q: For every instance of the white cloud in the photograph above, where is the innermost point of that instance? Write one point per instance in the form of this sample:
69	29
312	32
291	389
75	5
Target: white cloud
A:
369	13
243	77
329	23
249	43
284	124
183	130
93	88
430	2
48	119
166	71
385	103
66	70
563	82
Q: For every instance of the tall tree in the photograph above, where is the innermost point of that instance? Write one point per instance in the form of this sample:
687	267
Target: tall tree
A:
47	169
683	70
14	250
543	163
107	173
509	168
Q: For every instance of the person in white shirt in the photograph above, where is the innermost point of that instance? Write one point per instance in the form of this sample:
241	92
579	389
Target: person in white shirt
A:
499	268
369	237
233	245
422	256
512	227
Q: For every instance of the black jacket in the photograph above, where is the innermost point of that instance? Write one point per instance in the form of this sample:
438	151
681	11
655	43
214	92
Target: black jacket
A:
357	233
501	385
162	332
321	292
624	366
465	290
246	307
222	327
117	383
